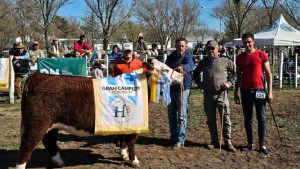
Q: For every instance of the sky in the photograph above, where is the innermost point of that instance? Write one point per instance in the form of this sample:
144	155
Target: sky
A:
78	8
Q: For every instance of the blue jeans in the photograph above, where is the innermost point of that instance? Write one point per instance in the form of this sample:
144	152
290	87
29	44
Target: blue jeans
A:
248	99
177	113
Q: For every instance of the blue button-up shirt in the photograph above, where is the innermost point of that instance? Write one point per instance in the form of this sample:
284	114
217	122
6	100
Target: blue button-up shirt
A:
187	60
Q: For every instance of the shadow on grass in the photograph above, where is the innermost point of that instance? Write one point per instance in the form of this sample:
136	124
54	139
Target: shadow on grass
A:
144	140
71	157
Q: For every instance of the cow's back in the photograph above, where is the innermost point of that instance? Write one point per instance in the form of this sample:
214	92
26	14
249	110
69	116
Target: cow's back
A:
53	99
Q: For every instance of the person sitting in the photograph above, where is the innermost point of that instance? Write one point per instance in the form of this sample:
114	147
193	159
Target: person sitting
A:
154	50
97	71
116	53
35	52
140	47
82	48
56	50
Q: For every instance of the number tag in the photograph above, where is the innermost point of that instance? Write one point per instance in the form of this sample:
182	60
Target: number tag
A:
260	94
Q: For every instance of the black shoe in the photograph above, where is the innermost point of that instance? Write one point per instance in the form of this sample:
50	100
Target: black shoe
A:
249	147
264	150
212	145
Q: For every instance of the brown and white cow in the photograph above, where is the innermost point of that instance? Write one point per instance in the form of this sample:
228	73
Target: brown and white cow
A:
51	103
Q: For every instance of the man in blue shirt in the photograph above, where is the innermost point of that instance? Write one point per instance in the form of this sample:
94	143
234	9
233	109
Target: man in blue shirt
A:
181	61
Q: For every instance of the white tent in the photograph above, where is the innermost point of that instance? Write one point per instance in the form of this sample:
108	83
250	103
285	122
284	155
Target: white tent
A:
279	34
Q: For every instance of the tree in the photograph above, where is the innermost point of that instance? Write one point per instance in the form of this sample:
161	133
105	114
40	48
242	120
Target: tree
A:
91	26
127	32
48	10
237	17
270	7
111	14
166	19
292	8
6	23
26	22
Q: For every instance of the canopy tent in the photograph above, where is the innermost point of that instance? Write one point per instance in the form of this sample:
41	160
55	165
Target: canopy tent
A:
279	34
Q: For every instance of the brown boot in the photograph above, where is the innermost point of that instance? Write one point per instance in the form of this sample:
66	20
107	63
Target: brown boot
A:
230	148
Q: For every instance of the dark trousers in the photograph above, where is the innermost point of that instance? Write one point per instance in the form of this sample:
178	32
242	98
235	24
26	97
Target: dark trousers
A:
248	99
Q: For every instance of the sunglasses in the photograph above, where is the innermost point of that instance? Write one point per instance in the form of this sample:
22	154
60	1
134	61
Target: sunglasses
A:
210	48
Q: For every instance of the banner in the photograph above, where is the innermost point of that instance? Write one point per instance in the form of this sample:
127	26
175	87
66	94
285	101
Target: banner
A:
63	66
121	104
4	73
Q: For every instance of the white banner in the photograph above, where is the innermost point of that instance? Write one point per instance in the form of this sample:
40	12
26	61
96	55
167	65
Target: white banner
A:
4	73
122	104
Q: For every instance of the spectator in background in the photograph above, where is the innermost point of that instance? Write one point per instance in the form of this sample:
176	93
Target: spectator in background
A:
198	51
154	50
35	52
56	50
163	50
140	46
97	71
21	66
3	54
13	50
98	56
82	48
116	53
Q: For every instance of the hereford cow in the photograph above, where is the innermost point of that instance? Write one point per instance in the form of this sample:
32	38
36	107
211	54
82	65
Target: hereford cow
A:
50	103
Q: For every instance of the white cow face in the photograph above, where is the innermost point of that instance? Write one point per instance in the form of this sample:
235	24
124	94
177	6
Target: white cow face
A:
176	78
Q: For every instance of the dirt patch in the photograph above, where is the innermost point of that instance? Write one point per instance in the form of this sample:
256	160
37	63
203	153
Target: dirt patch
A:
152	148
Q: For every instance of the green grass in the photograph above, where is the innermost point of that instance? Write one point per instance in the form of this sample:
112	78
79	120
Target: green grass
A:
291	125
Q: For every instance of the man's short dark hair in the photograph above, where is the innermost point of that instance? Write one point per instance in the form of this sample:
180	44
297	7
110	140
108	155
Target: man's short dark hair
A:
82	37
154	45
181	39
247	35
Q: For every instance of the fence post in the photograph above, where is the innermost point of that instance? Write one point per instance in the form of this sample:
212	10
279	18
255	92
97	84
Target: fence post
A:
11	81
280	70
107	68
164	57
296	70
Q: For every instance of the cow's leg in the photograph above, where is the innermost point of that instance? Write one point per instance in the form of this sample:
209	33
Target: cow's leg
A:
49	142
123	148
30	138
131	140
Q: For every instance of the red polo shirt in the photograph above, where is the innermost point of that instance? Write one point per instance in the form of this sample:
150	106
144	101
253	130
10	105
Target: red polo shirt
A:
252	68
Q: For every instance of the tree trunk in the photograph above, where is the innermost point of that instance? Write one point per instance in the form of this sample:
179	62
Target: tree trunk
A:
46	38
105	43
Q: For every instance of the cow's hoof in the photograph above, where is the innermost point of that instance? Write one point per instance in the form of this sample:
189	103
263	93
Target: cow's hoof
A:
21	166
57	160
135	162
124	154
125	158
135	165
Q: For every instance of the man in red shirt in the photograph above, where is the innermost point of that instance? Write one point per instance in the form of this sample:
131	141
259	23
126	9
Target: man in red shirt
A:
82	48
128	62
251	64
